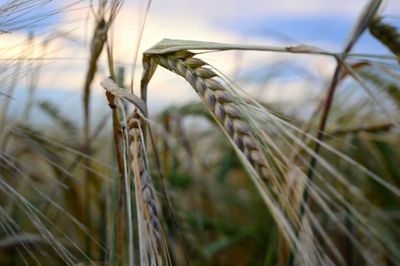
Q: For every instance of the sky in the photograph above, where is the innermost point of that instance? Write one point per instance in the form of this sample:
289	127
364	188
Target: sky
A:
321	23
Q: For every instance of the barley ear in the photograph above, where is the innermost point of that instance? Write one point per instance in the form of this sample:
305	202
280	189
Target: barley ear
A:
152	243
387	34
220	103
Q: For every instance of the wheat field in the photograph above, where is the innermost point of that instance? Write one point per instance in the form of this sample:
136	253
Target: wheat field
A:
196	152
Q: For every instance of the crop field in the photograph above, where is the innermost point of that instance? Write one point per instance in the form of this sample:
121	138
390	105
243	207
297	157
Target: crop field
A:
199	133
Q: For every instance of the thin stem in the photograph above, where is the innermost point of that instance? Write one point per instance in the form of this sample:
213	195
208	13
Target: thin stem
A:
359	27
167	199
320	135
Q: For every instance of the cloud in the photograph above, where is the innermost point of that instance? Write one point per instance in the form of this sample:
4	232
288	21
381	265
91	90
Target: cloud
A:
222	9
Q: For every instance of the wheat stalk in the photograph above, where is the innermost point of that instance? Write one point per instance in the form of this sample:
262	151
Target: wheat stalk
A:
231	116
150	234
